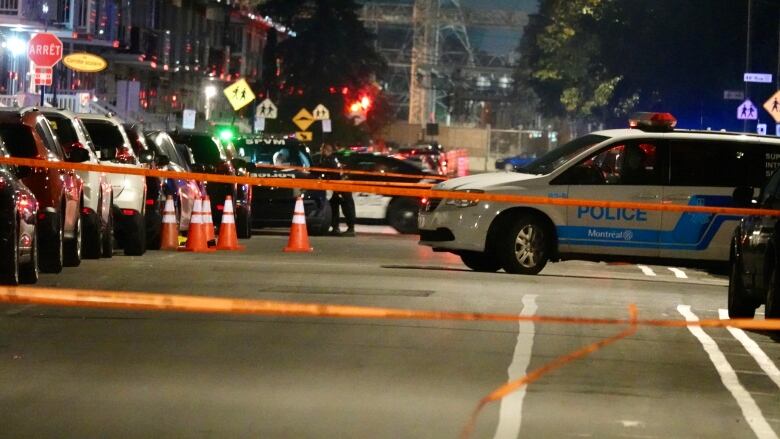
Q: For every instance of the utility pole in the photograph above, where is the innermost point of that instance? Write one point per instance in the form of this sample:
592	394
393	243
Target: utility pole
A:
747	56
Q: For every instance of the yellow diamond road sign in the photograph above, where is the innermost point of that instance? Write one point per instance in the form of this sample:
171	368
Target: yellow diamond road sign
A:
772	106
303	119
304	136
239	94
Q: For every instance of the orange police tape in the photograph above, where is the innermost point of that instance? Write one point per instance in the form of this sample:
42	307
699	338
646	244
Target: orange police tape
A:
386	188
219	305
353	172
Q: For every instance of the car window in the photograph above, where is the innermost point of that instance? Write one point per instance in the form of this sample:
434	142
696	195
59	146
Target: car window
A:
105	135
49	140
61	125
83	130
204	149
18	139
273	154
771	189
632	163
562	154
716	163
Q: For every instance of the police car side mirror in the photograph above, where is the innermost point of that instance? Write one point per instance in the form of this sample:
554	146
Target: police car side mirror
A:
743	196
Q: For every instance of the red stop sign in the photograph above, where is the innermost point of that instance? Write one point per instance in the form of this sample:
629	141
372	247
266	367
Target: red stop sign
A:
44	49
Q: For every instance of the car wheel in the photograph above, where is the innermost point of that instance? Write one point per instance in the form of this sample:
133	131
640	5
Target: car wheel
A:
243	223
28	273
107	245
9	267
135	238
402	215
772	308
524	247
91	235
740	306
479	261
73	246
51	237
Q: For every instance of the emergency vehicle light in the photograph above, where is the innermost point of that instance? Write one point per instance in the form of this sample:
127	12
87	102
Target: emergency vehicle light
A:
653	121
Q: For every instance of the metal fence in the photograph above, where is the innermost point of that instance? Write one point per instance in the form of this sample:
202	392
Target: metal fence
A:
511	143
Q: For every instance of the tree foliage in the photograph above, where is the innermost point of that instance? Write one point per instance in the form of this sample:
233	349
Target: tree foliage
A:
331	52
599	60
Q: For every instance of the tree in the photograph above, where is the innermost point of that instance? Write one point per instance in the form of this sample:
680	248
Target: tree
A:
331	60
600	60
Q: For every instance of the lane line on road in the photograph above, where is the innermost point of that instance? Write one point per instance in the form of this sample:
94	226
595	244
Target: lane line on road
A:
678	273
728	377
510	413
764	362
646	270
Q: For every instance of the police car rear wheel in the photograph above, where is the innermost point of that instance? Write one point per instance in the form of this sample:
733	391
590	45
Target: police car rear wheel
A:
524	248
479	261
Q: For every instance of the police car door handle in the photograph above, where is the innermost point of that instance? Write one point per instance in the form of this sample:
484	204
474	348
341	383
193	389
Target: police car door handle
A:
647	196
677	197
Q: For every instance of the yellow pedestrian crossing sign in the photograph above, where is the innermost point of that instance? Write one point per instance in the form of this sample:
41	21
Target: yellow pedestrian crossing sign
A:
303	119
772	106
239	94
304	136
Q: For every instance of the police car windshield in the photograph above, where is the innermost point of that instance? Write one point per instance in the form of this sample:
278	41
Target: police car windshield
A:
562	154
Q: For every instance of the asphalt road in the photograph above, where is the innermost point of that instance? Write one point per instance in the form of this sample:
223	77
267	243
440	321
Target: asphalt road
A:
102	373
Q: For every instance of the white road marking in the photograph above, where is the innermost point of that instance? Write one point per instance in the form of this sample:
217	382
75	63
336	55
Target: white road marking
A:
678	273
511	412
750	409
758	354
646	270
631	424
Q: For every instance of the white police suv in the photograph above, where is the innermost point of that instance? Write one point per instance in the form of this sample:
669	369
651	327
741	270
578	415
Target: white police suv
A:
650	163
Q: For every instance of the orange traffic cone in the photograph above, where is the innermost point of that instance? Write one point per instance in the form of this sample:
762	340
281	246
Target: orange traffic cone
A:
196	237
169	235
228	238
299	237
208	222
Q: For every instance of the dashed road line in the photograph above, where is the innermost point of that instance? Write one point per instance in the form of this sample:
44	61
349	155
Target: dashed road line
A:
510	414
646	270
678	273
750	409
764	362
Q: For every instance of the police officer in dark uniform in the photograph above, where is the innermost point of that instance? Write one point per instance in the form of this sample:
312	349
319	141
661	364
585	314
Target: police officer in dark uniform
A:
344	200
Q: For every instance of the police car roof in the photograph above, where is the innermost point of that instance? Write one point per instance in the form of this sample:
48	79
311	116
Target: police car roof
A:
686	134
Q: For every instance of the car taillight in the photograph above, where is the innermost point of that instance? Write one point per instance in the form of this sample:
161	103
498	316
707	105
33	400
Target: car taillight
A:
124	155
86	211
150	202
128	212
220	207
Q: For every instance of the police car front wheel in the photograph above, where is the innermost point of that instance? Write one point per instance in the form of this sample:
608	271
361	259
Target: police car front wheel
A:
524	248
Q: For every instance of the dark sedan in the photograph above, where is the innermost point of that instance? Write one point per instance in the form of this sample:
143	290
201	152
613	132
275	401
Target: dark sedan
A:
754	277
18	245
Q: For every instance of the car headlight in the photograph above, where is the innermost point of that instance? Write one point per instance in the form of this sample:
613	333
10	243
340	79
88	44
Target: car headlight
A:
464	203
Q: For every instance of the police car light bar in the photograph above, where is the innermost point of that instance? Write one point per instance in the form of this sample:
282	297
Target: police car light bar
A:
653	121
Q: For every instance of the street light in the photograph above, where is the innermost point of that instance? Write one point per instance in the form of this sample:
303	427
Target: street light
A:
17	47
210	91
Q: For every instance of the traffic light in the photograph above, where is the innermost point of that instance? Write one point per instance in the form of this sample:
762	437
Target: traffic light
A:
226	134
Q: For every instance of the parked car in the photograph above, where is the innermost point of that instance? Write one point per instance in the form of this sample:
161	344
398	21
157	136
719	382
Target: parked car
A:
514	163
184	192
399	212
429	156
96	216
155	186
754	275
211	156
273	206
114	149
27	134
18	242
